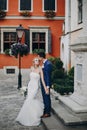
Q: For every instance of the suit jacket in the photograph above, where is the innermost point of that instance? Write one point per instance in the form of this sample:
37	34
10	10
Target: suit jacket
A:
47	72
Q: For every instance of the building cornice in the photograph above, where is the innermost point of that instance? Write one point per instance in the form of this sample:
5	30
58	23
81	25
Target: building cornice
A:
39	27
80	44
7	26
35	17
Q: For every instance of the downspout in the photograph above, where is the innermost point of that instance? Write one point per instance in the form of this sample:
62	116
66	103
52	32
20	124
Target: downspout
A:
0	39
69	17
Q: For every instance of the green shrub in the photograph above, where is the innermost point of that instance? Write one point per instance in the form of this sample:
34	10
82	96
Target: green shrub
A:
70	80
7	52
58	74
62	81
58	81
71	71
58	63
36	51
63	89
52	59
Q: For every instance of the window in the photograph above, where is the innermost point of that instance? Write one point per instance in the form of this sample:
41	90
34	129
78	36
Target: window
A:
25	5
40	38
80	11
38	41
9	39
3	4
49	5
10	71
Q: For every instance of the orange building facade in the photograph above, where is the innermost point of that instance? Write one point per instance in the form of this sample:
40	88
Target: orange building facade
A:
41	31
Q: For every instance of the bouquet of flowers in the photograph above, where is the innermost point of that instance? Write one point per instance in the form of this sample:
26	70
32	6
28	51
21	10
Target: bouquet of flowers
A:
24	91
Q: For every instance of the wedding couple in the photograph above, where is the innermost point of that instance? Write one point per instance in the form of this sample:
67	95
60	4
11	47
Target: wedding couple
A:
38	103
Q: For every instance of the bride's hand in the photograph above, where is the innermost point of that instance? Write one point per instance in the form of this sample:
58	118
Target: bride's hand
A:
47	90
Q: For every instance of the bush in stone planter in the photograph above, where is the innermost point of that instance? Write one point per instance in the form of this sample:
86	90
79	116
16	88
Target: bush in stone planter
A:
58	70
71	76
58	63
61	81
62	89
58	74
58	81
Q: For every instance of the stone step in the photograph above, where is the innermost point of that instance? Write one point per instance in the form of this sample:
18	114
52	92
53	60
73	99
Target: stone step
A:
50	123
73	105
67	116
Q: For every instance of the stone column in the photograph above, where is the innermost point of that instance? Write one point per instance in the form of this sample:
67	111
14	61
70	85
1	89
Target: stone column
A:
77	102
80	49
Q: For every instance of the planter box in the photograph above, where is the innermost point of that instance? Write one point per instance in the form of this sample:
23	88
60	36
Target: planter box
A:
2	14
50	14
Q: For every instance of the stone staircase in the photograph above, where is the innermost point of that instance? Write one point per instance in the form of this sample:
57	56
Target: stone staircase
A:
62	116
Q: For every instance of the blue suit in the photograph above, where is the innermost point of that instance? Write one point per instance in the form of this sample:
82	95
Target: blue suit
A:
47	78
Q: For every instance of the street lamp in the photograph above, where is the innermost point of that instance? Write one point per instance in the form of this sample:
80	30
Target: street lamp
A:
19	50
20	32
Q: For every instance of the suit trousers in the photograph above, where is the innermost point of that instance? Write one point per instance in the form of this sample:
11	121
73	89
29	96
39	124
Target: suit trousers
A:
47	101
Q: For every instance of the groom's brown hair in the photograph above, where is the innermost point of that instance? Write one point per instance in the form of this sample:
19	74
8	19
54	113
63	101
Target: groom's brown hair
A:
42	54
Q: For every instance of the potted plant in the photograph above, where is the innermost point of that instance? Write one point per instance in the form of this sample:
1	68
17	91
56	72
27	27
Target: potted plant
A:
36	51
50	14
26	14
2	13
8	52
19	49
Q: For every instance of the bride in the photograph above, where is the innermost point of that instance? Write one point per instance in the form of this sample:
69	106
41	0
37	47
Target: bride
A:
33	107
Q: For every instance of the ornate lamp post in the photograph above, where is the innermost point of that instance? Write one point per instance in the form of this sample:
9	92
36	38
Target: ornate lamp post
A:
18	50
20	31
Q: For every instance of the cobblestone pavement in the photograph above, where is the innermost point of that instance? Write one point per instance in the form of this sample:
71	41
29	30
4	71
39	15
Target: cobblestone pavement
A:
11	101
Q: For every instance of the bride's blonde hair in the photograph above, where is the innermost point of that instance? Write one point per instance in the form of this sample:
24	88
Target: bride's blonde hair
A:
36	60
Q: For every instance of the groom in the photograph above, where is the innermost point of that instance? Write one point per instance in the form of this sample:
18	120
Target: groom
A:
47	68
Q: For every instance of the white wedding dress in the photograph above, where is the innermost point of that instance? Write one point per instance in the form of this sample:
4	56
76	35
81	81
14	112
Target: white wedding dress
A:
33	106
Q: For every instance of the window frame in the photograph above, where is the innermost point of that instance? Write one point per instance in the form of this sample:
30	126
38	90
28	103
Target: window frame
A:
48	10
6	7
80	12
26	10
42	29
9	41
5	29
38	41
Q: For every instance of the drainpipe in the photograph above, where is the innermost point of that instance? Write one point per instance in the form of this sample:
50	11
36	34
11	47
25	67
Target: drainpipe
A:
69	17
0	39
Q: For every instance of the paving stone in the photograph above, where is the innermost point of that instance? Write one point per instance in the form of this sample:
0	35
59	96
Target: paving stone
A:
11	101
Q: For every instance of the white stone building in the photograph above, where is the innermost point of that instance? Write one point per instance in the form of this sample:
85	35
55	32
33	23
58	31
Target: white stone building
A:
75	44
71	30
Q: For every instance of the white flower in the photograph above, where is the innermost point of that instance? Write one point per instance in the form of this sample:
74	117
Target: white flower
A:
23	90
